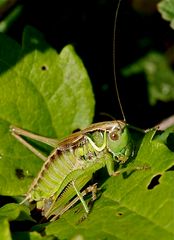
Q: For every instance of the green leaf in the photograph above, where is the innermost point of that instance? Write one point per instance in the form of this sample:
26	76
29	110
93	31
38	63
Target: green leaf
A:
2	2
69	98
41	91
14	211
6	23
133	204
5	230
159	75
166	8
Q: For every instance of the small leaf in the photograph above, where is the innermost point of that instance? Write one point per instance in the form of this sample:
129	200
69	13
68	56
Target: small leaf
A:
166	8
14	211
6	23
159	76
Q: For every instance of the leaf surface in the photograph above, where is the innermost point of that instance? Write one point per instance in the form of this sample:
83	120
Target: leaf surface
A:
166	8
5	230
41	91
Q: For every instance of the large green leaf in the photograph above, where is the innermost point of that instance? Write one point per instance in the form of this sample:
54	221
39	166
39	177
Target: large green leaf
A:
41	91
132	204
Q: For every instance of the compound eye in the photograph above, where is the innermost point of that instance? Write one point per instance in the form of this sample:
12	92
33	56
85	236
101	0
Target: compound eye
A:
114	135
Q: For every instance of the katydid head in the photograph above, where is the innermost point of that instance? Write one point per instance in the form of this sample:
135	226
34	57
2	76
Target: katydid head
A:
119	141
118	137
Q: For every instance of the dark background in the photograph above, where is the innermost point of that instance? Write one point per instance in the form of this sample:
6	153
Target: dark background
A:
88	25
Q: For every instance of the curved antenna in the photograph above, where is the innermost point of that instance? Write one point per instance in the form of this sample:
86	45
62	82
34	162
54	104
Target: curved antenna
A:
114	59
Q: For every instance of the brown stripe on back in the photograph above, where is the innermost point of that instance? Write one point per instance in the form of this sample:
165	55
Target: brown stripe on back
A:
52	158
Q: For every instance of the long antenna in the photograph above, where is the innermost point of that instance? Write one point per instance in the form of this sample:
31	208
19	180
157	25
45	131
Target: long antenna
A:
114	59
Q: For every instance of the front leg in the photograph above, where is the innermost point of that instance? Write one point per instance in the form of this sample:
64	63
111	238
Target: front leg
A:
131	169
109	161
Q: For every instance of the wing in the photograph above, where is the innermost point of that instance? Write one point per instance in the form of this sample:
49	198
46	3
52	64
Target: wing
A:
79	136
